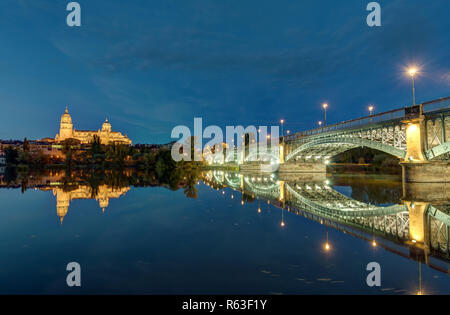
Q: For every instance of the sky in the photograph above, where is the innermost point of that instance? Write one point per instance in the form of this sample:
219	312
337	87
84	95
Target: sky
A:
149	66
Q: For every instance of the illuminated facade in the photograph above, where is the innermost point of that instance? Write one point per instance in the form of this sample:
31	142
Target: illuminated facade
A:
105	135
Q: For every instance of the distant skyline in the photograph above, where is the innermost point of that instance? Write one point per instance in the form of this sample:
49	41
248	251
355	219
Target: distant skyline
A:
149	66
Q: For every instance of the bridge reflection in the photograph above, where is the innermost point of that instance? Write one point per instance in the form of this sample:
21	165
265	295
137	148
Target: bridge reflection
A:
414	228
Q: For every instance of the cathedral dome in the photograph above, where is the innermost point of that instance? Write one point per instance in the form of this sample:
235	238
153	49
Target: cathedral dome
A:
106	125
65	118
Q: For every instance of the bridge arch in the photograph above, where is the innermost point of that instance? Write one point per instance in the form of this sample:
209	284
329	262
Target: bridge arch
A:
353	209
269	188
352	142
232	181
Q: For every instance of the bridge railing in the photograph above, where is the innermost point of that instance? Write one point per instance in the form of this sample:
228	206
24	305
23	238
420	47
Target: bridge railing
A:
435	105
399	113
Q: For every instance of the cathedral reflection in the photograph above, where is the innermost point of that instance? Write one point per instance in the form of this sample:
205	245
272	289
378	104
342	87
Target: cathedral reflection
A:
100	185
102	195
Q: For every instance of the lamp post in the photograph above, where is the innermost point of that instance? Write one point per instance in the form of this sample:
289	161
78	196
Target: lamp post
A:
325	106
371	111
282	130
412	73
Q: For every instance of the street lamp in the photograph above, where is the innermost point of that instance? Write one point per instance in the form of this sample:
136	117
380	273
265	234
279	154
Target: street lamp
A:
325	106
371	111
412	73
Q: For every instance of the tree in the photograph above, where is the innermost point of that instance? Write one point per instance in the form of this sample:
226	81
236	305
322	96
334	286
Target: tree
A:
95	152
96	145
26	145
69	146
11	155
116	153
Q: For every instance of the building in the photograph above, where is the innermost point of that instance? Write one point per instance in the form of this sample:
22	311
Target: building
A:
2	159
105	135
46	148
4	144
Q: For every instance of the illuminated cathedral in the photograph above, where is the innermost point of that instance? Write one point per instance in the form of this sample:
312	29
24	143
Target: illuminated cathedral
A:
105	135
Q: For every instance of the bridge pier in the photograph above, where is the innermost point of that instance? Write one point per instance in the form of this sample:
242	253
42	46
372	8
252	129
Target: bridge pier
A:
419	233
303	177
282	168
256	168
415	167
415	139
426	172
435	193
302	168
418	224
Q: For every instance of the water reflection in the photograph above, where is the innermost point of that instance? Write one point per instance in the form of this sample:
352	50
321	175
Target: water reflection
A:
101	185
384	212
411	220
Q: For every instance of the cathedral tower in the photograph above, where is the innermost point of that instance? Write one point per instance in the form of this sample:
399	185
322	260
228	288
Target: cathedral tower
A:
66	128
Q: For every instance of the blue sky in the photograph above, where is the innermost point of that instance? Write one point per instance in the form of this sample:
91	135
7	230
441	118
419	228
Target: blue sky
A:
151	65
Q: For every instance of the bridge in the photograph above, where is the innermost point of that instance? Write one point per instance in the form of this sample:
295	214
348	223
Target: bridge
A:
418	135
421	227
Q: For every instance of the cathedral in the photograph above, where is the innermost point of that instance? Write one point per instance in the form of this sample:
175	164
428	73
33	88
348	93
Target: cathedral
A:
106	136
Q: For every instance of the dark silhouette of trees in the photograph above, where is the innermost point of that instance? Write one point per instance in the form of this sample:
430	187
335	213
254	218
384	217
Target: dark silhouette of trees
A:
11	156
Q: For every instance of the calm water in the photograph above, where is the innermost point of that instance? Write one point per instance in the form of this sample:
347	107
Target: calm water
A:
156	240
